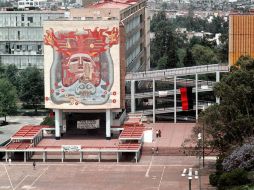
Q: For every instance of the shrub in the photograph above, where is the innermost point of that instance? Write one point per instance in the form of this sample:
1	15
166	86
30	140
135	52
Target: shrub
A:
213	179
48	121
242	157
235	177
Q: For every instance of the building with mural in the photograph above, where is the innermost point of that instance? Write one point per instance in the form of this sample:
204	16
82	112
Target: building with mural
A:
241	36
86	57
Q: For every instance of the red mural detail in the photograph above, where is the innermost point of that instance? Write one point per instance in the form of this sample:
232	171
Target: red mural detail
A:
80	52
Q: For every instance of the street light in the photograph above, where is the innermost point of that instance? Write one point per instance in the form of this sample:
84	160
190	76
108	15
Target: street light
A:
199	157
189	175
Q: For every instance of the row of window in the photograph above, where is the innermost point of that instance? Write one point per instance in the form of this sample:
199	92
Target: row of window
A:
21	49
23	61
133	23
132	55
132	40
30	19
30	34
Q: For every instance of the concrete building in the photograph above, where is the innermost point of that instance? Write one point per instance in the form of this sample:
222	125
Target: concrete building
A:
21	37
241	36
86	58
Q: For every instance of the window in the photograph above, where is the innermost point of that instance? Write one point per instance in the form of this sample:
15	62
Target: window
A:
18	35
22	17
141	18
30	19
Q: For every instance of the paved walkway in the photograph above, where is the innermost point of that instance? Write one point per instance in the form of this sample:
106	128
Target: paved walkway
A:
152	172
172	134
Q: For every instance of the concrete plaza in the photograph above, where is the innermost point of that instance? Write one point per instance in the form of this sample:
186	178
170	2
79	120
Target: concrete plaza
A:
152	172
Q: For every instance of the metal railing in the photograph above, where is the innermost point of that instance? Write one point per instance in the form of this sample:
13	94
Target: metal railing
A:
167	73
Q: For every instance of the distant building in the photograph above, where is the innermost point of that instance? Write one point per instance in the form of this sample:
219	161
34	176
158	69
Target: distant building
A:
21	37
241	36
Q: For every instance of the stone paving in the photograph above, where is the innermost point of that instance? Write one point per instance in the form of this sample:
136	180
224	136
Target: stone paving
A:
152	172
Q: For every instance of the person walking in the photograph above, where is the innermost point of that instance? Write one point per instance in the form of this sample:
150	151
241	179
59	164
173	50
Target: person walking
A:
159	133
34	165
9	161
157	150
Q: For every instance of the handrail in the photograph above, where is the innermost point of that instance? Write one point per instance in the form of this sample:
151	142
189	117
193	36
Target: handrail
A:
162	74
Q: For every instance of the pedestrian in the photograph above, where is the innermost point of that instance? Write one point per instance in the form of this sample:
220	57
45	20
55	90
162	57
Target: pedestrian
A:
159	133
157	150
153	150
34	164
9	161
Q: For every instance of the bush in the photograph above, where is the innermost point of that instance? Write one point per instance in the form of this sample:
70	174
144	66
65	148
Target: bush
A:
48	121
242	157
235	177
213	179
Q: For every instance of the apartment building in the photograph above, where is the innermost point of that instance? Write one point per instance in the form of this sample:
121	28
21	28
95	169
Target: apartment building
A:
21	37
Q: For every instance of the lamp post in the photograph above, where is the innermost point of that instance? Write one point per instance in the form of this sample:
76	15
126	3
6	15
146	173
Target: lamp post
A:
189	175
199	157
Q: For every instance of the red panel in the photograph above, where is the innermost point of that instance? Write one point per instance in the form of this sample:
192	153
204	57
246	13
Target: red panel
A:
184	99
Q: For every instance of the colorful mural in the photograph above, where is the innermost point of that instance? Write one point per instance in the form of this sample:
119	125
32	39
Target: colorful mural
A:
82	69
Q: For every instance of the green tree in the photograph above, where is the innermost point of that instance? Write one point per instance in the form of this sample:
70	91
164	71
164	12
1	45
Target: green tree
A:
204	55
8	98
158	18
31	86
162	63
189	60
231	123
11	73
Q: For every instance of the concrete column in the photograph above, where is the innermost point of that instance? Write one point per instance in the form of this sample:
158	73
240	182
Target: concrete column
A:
136	156
24	156
175	99
44	156
217	80
62	156
57	124
133	103
60	121
6	156
196	80
153	100
117	157
81	156
108	123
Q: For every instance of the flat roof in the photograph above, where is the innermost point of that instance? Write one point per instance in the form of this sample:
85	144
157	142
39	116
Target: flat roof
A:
29	131
120	4
25	146
132	132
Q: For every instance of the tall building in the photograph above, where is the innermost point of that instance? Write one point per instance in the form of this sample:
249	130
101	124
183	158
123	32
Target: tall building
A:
241	36
86	58
21	37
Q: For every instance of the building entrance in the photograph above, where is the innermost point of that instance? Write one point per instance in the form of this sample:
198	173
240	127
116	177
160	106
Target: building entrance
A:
90	124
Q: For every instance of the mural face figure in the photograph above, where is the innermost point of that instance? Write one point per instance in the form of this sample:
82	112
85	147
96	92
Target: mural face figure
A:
82	71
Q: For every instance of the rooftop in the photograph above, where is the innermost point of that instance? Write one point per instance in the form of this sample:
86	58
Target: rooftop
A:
120	4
